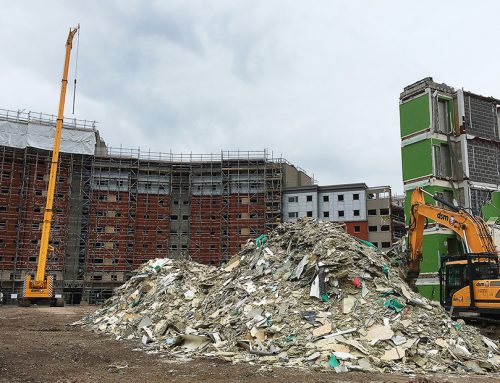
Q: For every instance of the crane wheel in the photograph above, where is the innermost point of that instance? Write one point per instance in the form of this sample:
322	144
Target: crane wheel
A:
59	302
53	302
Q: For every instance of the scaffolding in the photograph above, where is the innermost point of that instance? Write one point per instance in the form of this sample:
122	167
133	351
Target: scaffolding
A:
120	207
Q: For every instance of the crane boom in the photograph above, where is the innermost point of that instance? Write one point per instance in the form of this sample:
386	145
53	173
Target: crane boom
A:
47	216
41	286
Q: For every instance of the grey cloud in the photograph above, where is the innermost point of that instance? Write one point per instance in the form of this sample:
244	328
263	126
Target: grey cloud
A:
315	81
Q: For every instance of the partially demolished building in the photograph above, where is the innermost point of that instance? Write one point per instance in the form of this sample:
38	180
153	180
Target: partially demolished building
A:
450	143
117	208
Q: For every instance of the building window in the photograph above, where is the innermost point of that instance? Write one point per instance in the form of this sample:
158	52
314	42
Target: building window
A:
384	228
340	197
357	229
443	117
185	217
309	213
293	199
372	228
371	196
174	217
341	213
375	244
173	246
384	211
386	244
114	277
326	214
372	211
326	198
293	214
356	213
309	198
355	197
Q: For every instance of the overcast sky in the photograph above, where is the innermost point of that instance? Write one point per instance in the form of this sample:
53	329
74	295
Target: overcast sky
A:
314	81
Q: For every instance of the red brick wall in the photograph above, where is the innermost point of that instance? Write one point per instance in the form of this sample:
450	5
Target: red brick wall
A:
23	187
141	230
205	229
352	229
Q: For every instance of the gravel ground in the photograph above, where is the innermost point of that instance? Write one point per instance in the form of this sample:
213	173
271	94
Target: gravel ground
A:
37	345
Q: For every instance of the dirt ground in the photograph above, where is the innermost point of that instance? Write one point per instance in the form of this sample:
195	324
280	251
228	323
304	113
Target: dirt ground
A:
38	345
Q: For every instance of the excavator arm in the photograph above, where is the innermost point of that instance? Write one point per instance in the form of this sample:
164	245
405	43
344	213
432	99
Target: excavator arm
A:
473	230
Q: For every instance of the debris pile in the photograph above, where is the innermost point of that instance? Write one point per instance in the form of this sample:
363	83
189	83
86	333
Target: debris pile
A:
309	295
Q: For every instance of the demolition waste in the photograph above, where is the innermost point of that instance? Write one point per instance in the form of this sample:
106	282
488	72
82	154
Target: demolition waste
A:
310	295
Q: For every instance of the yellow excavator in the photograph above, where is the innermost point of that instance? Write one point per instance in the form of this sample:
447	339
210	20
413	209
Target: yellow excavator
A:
469	282
41	288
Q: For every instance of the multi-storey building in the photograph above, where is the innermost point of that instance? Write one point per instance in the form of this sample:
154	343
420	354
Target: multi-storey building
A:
450	145
116	208
378	212
365	212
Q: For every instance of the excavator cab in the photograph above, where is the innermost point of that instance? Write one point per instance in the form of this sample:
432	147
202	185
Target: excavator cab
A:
469	284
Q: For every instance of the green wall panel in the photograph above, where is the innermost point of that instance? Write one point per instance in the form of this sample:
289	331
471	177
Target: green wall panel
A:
417	159
414	115
429	291
433	246
492	208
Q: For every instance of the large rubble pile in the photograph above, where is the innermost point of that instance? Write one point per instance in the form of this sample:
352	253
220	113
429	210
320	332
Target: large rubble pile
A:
311	295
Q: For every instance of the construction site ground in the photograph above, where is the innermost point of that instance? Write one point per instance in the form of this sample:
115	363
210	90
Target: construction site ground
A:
37	344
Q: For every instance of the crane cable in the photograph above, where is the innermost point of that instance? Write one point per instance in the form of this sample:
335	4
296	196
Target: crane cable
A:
76	66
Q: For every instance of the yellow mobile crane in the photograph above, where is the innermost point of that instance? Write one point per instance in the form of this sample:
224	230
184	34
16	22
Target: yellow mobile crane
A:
469	282
42	287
